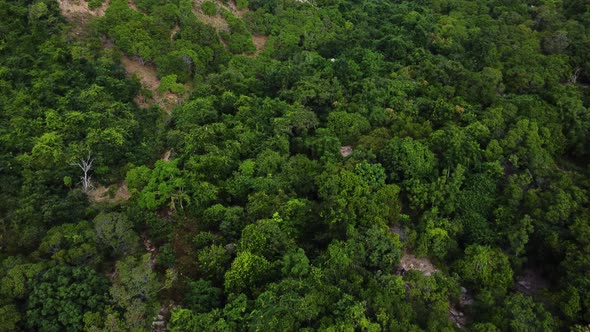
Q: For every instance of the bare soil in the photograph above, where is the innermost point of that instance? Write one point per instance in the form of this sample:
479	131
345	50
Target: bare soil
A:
79	14
259	41
234	9
173	33
147	75
346	151
100	194
132	5
74	8
216	21
166	155
411	262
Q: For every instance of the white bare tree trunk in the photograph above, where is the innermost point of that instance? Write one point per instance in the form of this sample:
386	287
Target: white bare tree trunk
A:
86	167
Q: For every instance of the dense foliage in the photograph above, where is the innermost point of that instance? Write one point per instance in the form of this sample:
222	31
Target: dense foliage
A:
284	188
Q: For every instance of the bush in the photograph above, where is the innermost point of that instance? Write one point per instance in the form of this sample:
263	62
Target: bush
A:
241	4
168	83
93	4
209	8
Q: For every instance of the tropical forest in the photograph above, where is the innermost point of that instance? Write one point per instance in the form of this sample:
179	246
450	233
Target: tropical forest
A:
295	165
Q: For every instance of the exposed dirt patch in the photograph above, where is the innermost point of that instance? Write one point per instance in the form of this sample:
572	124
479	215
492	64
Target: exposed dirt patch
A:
132	5
75	8
230	6
102	194
259	41
234	9
346	151
411	262
166	155
147	75
217	21
79	14
173	33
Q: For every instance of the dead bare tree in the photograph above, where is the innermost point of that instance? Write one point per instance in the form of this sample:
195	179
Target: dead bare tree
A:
86	167
575	75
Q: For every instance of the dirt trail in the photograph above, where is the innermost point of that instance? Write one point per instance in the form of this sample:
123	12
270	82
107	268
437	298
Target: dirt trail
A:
216	21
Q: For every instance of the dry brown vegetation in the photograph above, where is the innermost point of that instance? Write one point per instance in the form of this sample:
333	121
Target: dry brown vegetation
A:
102	194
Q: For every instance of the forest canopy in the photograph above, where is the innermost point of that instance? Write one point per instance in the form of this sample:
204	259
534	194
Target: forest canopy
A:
287	165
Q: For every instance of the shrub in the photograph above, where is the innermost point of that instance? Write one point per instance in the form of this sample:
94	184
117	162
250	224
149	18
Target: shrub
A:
241	4
209	8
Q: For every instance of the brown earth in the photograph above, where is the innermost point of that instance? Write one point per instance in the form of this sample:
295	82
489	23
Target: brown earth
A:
216	21
346	151
411	262
100	194
259	41
74	8
79	14
173	33
147	73
166	155
133	6
148	77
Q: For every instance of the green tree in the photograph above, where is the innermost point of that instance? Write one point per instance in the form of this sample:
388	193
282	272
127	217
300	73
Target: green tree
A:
115	233
201	296
62	296
213	262
10	317
408	159
247	273
521	313
295	264
73	244
348	127
382	249
485	268
134	289
165	186
209	8
266	238
18	278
